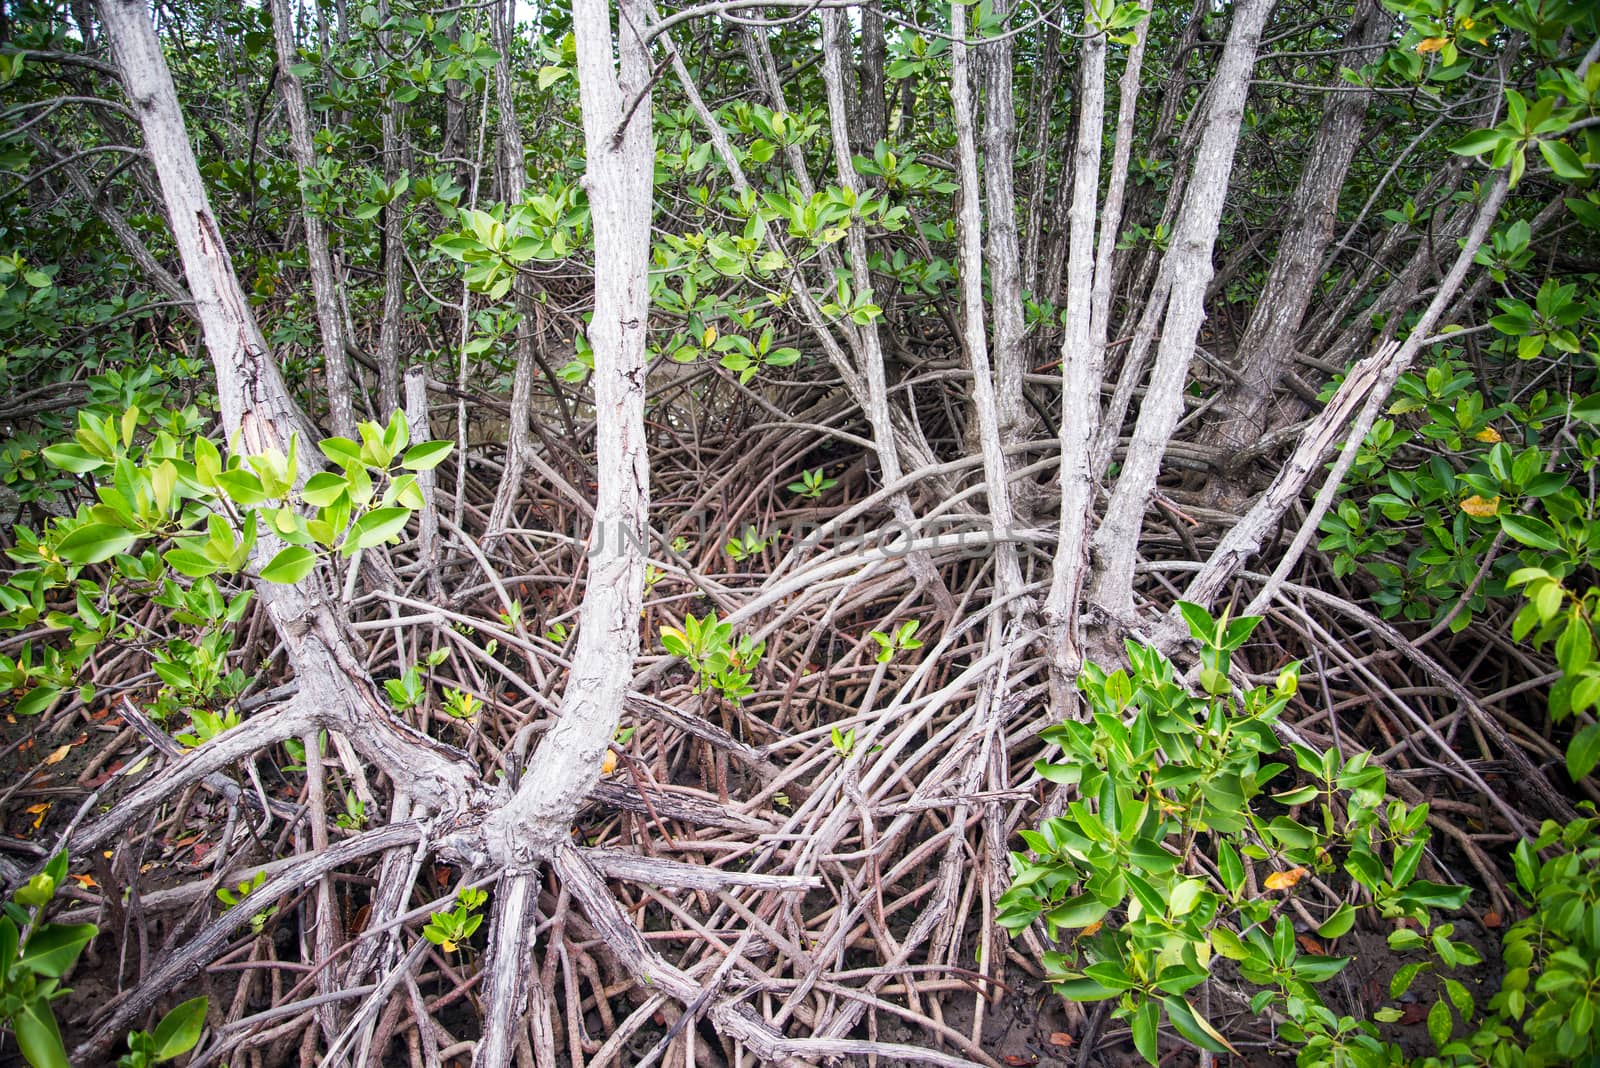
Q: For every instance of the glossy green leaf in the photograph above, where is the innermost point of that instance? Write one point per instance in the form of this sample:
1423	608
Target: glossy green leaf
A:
375	528
180	1029
290	565
94	542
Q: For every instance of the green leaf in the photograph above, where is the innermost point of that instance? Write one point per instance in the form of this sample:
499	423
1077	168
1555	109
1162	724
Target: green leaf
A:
341	451
1436	895
1318	969
73	458
1343	918
1477	142
1230	866
188	562
1194	1027
1535	533
323	488
242	487
1201	625
94	542
179	1029
426	455
1440	1023
1563	160
1085	990
290	565
1146	1018
375	528
1401	982
38	1036
53	948
1583	752
37	700
1080	911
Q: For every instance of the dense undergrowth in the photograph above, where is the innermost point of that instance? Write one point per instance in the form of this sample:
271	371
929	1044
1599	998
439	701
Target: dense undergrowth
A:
1001	629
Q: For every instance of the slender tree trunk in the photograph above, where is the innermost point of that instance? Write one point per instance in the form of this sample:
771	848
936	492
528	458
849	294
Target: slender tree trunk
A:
1040	111
1267	349
1116	543
867	344
325	296
1004	258
1081	372
874	100
619	177
519	441
969	226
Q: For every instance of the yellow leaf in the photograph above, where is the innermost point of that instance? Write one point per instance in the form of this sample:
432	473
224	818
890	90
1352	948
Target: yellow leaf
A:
1479	508
1432	44
1467	23
1283	880
709	338
1488	434
608	763
1092	929
57	756
37	812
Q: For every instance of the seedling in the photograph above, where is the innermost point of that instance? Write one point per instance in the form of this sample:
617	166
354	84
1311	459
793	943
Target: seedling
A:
459	704
354	816
751	544
812	485
174	1036
902	640
448	930
241	890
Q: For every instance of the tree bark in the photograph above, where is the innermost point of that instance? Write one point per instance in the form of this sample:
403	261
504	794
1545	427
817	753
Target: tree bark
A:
1004	258
1188	264
1267	349
324	291
1081	372
969	226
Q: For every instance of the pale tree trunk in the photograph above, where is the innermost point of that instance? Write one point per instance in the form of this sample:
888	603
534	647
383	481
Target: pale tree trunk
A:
866	342
969	225
1041	107
388	354
1349	414
619	177
1116	190
1267	349
514	175
1116	543
1004	258
324	289
1172	96
334	691
1080	378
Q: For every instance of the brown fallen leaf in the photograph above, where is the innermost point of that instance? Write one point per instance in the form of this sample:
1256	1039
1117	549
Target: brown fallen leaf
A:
1018	1061
85	882
58	755
1413	1014
1491	919
1061	1038
1311	946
